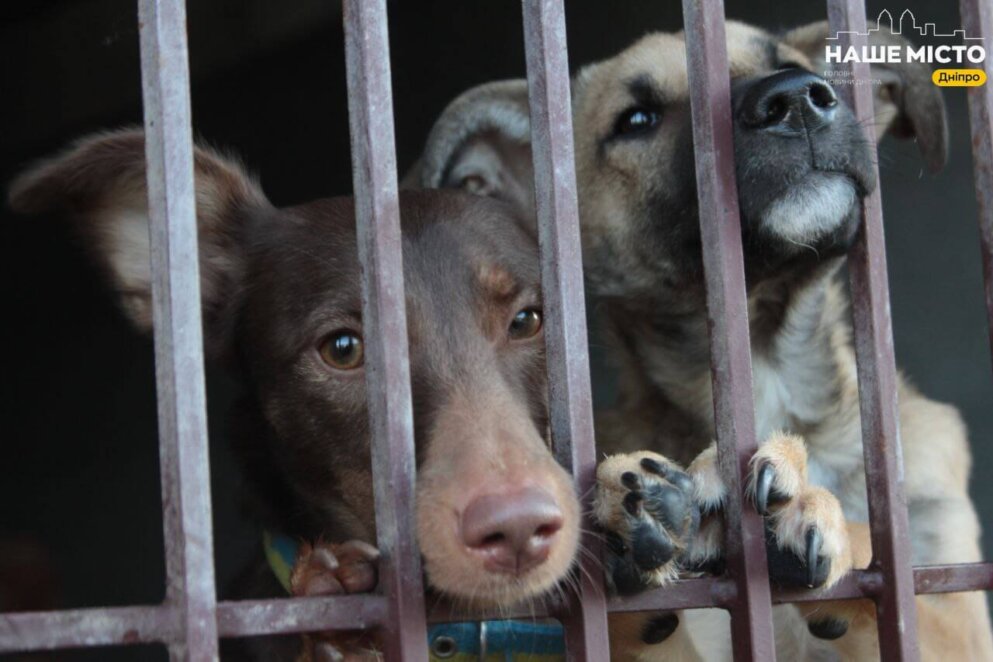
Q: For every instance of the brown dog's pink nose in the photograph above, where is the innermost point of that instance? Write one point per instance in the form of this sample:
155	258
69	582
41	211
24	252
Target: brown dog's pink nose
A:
512	531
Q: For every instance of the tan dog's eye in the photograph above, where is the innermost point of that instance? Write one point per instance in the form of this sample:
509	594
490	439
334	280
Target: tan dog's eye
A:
637	120
526	324
343	350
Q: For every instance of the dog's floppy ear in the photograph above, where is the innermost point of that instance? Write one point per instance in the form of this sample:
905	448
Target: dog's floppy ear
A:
907	103
481	143
100	183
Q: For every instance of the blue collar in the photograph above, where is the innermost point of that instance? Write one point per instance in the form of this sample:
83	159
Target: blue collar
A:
489	641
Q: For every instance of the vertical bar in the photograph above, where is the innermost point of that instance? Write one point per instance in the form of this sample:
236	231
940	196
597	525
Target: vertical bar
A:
183	452
377	212
977	21
895	608
731	360
570	399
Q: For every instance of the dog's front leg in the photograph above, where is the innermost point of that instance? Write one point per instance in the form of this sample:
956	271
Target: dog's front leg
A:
645	506
330	569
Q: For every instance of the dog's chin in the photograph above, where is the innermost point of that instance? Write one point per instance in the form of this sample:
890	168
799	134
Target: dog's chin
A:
814	213
496	594
458	575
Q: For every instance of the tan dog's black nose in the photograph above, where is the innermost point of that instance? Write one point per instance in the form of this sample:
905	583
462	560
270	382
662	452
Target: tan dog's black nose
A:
512	531
789	103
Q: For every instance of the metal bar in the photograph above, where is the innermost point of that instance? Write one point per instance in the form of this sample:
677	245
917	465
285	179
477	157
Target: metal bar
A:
895	608
377	212
721	592
731	361
183	453
51	630
569	391
87	627
294	615
977	20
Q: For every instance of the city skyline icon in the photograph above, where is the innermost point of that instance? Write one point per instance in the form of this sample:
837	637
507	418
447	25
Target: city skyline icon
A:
897	27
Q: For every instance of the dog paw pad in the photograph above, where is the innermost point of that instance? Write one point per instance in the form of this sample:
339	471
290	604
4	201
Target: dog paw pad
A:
828	628
660	628
645	505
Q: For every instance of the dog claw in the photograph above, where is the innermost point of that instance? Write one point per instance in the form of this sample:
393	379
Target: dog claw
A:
763	485
814	541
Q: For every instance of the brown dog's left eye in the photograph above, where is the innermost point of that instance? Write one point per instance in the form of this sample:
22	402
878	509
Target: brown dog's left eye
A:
526	323
343	350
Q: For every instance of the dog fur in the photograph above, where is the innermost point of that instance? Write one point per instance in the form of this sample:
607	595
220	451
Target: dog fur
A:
278	285
642	254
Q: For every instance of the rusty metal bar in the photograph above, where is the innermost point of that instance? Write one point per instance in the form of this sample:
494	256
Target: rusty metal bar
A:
377	212
977	20
183	454
721	592
294	615
26	631
895	608
570	396
87	627
731	361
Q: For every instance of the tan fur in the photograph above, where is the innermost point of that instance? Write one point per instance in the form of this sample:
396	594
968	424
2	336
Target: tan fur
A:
804	370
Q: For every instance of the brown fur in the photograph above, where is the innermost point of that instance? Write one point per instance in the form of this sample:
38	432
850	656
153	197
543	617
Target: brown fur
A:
276	284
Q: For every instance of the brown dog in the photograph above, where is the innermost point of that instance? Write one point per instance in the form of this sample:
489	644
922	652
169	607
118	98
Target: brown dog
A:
497	517
803	167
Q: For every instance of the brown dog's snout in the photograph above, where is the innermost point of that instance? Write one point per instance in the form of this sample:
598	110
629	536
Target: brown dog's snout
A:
789	103
513	532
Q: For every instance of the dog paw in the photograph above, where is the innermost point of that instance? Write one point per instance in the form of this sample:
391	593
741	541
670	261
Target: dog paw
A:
807	537
645	505
328	569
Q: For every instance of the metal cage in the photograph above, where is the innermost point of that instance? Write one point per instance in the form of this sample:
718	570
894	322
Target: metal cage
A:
190	620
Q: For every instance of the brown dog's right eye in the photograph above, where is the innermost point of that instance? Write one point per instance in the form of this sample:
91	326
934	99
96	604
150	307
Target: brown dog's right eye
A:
343	350
526	323
637	120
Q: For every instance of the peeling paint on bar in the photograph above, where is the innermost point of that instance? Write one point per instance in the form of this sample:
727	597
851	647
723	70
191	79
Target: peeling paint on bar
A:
977	19
570	395
731	361
377	212
294	615
87	627
895	607
183	455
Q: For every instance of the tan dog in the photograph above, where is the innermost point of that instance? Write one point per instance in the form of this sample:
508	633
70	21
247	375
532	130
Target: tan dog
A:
803	166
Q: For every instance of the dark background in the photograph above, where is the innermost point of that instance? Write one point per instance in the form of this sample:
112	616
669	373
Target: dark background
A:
79	487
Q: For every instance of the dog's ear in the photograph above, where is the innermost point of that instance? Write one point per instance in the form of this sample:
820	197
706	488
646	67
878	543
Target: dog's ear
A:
481	143
907	103
100	183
